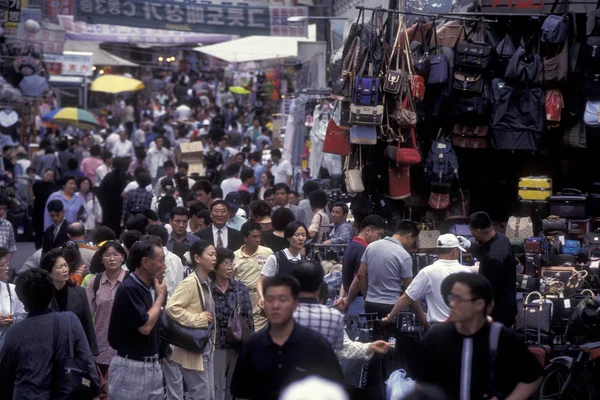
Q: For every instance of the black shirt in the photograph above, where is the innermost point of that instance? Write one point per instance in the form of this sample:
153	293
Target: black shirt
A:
497	264
61	297
130	312
351	261
264	368
441	363
274	242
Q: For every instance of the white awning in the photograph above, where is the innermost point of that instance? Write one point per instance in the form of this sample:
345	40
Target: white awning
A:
256	48
101	57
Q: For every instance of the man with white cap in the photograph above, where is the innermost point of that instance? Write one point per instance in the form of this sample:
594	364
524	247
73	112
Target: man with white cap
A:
428	282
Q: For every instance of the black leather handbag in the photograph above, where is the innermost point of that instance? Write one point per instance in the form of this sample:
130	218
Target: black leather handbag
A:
190	339
472	56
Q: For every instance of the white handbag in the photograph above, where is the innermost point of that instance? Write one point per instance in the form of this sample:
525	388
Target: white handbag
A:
354	182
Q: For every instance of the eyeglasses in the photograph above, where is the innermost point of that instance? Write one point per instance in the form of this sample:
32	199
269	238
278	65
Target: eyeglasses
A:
459	300
108	256
227	264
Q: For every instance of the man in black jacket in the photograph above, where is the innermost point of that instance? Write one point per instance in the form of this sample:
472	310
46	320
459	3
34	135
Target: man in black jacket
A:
497	264
218	233
56	234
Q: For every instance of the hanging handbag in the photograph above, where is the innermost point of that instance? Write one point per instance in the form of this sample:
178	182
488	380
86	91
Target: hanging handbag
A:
237	326
417	82
473	56
519	227
366	87
344	115
353	177
395	78
591	115
191	339
555	28
438	70
399	182
554	107
467	82
555	69
420	53
427	239
363	135
337	140
505	50
470	137
404	114
71	377
406	155
343	87
525	65
366	115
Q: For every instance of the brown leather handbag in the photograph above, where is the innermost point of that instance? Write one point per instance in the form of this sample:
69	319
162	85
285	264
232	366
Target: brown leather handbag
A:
237	326
337	140
555	69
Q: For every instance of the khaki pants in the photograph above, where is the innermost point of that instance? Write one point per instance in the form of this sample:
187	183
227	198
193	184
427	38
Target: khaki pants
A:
260	320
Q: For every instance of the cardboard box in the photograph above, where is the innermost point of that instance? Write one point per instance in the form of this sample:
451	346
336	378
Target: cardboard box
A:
196	168
191	152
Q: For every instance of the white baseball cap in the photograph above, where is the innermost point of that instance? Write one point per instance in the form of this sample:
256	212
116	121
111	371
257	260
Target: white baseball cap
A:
449	241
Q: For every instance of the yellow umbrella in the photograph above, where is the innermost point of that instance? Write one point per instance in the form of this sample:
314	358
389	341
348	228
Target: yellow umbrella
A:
116	84
239	90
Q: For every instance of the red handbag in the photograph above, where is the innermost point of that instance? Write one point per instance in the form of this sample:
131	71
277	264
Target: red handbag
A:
399	182
409	156
337	140
418	87
439	201
554	107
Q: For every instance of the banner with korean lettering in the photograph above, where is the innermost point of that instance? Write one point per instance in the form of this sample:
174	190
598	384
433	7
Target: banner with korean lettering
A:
193	17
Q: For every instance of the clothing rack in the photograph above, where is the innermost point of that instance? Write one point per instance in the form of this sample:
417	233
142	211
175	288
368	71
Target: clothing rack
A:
496	14
462	17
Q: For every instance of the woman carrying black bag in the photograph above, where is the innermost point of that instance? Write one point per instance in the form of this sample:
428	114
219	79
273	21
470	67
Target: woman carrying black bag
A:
192	306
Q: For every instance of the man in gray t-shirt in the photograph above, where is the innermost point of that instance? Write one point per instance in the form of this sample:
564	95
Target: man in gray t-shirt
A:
386	268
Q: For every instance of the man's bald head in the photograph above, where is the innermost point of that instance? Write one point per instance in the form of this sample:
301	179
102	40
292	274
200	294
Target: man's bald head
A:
76	231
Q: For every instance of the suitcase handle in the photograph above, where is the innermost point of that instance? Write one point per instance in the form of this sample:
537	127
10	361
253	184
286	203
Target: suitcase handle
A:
570	191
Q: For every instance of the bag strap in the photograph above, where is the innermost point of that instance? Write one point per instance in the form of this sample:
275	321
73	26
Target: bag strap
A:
436	42
495	329
200	291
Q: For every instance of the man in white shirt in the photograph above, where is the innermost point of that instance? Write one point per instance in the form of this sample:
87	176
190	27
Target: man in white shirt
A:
113	138
124	147
428	282
232	183
104	168
156	157
281	169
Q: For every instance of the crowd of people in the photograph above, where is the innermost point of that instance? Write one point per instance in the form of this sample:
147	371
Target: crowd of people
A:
135	256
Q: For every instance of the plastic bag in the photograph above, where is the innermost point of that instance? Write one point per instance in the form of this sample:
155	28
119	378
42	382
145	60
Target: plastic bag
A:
398	385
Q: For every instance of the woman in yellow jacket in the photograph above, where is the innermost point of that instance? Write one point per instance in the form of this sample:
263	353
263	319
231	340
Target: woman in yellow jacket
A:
192	305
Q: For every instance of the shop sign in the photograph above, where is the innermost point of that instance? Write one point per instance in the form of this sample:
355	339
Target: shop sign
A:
78	30
13	13
53	68
45	41
27	14
58	7
521	4
73	63
193	17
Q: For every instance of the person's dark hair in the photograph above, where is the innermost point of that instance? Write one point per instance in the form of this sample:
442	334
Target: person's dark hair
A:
269	193
223	253
62	145
97	266
373	221
190	196
151	238
5	201
248	227
241	154
276	153
95	150
3	252
158	230
281	218
107	155
168	164
35	289
232	170
255	156
310	275
309	187
49	259
143	179
259	209
203	185
180	211
318	199
83	179
205	215
282	280
196	208
406	227
480	220
140	153
245	198
139	250
137	222
198	248
151	215
76	229
217	192
219	202
291	229
72	256
280	186
341	205
479	287
73	163
66	180
139	170
128	238
55	206
183	164
293	192
246	174
271	180
103	233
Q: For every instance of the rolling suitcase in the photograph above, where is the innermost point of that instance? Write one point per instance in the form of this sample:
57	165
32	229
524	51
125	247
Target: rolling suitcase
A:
570	203
537	188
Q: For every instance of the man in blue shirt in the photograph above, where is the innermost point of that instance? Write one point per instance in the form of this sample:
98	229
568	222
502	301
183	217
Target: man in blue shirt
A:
255	161
342	229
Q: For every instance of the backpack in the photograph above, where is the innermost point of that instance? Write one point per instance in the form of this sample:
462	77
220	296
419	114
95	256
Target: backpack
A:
97	279
442	163
166	204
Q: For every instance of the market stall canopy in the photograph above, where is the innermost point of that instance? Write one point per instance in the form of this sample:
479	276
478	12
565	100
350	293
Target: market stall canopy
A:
255	48
101	57
76	117
116	84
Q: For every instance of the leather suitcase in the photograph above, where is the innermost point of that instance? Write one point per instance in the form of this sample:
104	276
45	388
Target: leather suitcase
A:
570	203
535	188
533	245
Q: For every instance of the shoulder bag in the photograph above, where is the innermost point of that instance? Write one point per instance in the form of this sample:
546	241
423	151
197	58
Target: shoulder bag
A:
354	182
417	82
525	65
438	70
555	69
505	50
337	139
190	339
473	56
399	182
591	115
237	326
395	78
555	28
342	88
408	155
420	53
404	113
71	378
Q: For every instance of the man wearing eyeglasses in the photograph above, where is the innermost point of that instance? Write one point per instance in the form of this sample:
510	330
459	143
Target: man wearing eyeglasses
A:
428	283
471	358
